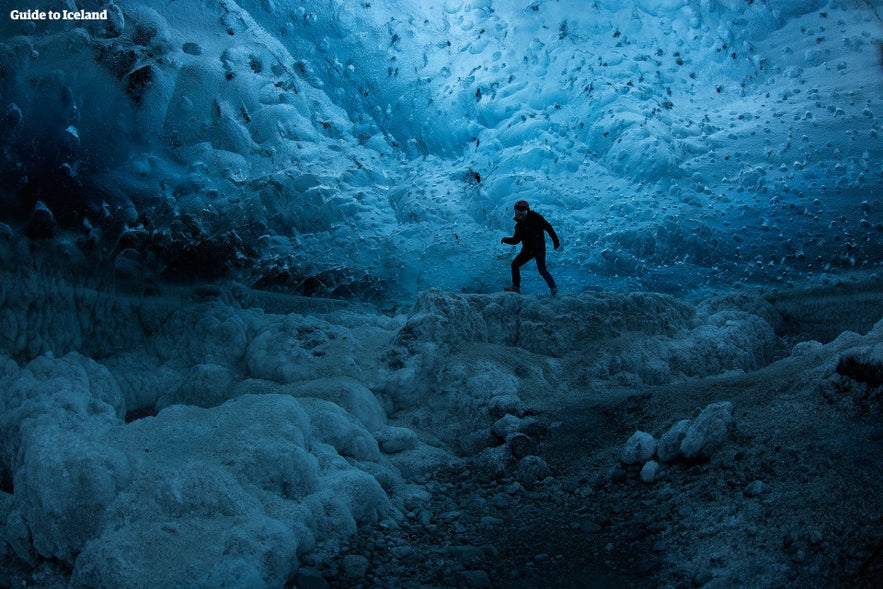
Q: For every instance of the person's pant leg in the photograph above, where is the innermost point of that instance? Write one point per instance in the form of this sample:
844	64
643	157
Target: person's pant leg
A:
520	260
544	272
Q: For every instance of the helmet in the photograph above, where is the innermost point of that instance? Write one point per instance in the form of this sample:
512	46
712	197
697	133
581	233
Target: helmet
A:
522	205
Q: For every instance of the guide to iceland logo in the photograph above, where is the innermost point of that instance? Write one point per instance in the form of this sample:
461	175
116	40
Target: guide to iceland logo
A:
29	14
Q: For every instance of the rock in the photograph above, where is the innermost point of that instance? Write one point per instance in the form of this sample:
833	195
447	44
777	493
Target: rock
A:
42	224
501	502
510	424
701	577
514	488
354	566
393	440
814	537
650	471
532	469
639	448
405	555
754	489
590	527
708	431
669	447
506	425
533	427
494	463
646	566
520	445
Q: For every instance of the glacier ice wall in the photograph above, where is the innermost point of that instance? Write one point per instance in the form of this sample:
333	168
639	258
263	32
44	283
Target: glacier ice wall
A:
374	149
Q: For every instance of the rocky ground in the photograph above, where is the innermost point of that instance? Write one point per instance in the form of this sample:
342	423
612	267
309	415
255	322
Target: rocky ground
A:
792	499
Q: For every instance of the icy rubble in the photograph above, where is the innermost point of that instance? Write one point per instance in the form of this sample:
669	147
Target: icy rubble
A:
284	431
694	438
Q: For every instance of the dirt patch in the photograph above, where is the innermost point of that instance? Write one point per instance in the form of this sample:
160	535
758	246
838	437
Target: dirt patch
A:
793	498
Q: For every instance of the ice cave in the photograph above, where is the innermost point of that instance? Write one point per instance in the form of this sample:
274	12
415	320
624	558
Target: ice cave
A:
257	325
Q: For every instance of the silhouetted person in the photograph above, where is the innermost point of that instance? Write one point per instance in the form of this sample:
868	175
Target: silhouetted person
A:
530	232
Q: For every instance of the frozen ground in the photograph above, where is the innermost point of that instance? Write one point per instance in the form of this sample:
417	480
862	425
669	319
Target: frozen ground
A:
227	437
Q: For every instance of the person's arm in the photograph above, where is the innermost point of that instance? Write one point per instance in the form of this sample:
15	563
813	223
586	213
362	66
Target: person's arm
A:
548	227
515	239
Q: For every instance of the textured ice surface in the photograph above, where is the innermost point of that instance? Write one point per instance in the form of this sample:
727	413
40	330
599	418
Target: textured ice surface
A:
372	151
375	149
265	454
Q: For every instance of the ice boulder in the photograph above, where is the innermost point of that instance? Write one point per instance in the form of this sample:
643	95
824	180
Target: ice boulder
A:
201	332
727	340
72	383
506	425
708	431
504	404
209	531
335	426
445	318
64	485
296	348
531	470
229	496
639	448
669	448
650	471
394	439
204	385
349	393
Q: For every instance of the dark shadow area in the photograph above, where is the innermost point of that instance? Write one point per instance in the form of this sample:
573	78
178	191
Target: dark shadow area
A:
141	413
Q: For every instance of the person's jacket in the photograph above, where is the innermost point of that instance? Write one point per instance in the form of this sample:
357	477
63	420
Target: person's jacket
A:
529	232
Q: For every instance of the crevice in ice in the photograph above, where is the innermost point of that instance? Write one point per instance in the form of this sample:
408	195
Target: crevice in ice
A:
7	484
863	368
141	413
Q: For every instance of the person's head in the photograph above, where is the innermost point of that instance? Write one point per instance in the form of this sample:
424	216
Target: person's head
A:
521	209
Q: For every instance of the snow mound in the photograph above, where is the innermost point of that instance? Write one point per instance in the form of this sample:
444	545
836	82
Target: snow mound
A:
651	337
552	326
299	347
260	478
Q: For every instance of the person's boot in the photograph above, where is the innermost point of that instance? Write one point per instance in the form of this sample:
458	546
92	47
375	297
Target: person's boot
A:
514	289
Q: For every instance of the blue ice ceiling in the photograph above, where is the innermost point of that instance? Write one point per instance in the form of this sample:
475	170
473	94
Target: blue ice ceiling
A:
375	149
